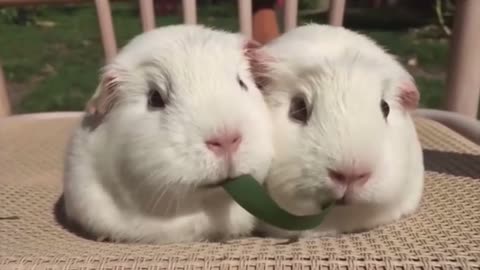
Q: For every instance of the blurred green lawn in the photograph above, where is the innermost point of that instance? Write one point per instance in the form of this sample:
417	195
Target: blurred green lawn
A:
55	68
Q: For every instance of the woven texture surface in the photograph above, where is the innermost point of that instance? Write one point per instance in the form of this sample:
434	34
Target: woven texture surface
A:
444	233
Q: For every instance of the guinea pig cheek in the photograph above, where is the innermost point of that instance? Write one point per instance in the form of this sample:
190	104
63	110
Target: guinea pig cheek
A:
386	184
253	157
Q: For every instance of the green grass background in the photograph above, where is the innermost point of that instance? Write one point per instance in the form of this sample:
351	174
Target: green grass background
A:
55	68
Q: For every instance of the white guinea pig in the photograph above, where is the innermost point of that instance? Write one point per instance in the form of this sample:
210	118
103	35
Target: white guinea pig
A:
342	130
176	113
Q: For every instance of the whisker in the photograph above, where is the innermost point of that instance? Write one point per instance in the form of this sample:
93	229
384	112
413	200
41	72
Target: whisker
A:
159	198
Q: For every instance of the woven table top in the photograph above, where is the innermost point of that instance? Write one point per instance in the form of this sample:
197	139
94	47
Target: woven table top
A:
444	233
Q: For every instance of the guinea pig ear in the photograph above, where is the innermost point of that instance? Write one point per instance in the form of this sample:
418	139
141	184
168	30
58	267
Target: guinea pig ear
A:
260	62
105	95
409	95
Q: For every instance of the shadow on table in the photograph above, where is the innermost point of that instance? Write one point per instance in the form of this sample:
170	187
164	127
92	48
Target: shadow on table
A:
457	164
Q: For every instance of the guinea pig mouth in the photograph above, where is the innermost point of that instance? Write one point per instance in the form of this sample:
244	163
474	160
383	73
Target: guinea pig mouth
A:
216	184
346	200
342	201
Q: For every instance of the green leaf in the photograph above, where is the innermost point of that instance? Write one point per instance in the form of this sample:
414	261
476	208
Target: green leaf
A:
249	194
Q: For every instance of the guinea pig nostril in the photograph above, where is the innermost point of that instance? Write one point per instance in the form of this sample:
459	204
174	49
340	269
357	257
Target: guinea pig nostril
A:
236	139
349	176
336	176
364	175
213	143
226	143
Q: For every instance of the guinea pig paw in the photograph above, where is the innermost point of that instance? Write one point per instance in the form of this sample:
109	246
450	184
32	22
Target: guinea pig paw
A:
102	238
109	239
218	238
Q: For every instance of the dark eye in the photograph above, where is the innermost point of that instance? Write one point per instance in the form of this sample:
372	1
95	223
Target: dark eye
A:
242	84
298	109
155	100
385	108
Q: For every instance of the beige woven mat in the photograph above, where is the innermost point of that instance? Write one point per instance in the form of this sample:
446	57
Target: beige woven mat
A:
445	233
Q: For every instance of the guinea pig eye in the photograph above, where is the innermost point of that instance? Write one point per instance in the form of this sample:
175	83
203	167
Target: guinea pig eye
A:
385	108
242	84
155	100
298	109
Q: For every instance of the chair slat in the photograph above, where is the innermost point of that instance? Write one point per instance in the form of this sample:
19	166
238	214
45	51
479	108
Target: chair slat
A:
107	32
4	102
147	14
290	14
245	17
463	77
336	12
189	11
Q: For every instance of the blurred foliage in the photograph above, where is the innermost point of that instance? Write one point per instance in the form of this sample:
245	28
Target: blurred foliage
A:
8	15
306	4
19	16
445	10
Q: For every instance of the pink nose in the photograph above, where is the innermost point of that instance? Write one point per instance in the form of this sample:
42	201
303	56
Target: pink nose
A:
224	144
349	176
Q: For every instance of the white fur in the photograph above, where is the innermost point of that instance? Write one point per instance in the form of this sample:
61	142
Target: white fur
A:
344	75
136	176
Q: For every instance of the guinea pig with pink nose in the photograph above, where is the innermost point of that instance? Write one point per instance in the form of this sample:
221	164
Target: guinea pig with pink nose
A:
342	130
175	114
